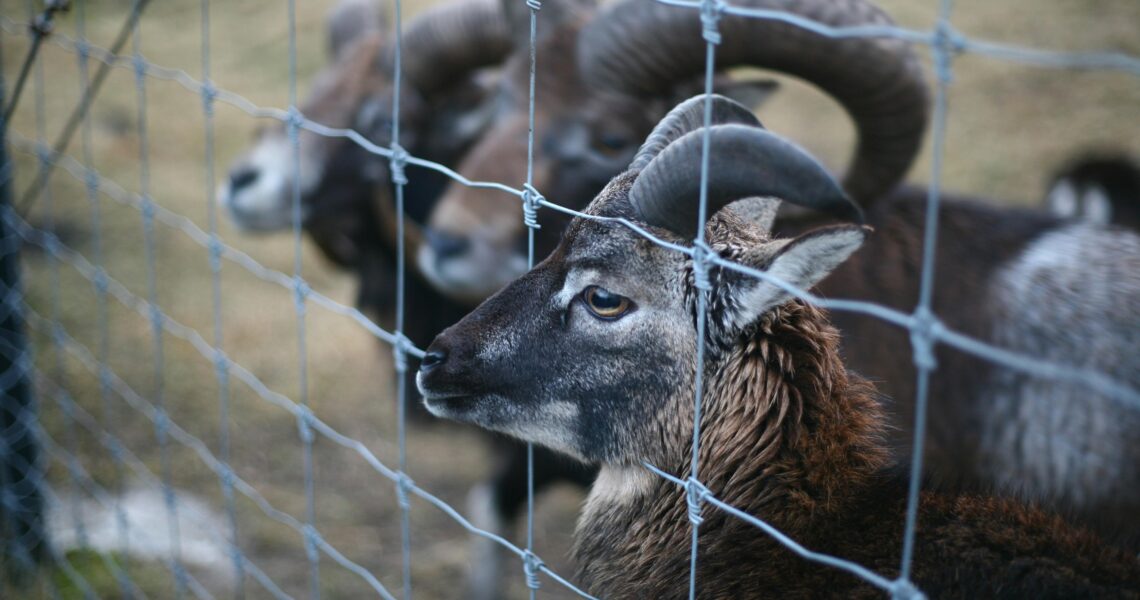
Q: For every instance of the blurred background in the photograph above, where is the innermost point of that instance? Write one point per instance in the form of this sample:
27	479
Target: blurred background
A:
1009	126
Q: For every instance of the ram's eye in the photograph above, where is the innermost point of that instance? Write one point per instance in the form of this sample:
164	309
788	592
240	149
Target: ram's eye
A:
605	304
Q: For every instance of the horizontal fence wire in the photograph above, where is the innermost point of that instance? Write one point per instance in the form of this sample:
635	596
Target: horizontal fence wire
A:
49	243
1018	362
944	41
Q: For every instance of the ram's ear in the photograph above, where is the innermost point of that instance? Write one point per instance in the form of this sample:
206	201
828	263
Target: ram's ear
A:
801	262
350	20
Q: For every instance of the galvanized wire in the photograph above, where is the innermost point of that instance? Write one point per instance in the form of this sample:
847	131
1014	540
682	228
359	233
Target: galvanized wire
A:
397	164
921	340
926	331
300	296
141	306
91	188
59	370
530	198
82	108
1025	364
220	371
710	15
161	424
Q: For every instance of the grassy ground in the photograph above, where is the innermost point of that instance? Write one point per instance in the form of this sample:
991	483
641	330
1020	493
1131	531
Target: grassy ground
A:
1008	126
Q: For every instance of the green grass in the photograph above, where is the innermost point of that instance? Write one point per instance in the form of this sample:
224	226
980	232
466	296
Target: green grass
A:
1008	126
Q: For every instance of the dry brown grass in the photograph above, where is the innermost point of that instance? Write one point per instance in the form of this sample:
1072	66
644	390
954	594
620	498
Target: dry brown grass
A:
1008	125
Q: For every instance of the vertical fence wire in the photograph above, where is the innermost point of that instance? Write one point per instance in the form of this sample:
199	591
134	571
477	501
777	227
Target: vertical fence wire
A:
710	15
300	294
58	367
921	324
921	340
400	356
161	428
221	370
61	396
531	199
103	344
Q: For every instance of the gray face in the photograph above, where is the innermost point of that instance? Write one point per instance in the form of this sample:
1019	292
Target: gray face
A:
537	363
593	352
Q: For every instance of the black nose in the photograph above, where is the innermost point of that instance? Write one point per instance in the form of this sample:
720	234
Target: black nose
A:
446	245
242	178
433	359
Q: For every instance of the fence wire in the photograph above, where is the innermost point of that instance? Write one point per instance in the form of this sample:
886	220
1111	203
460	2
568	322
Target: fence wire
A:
926	331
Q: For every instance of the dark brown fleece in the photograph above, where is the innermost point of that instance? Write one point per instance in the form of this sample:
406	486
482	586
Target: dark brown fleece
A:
789	436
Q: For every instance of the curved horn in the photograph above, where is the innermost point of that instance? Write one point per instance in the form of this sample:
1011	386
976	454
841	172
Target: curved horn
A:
644	48
690	116
743	161
445	42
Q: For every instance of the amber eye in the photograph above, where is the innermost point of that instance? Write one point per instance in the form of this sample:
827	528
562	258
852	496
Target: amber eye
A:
605	304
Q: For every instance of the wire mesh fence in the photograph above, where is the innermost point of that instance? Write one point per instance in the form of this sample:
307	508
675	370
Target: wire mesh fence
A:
97	389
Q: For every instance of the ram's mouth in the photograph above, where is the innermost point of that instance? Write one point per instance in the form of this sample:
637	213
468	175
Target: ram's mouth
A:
457	407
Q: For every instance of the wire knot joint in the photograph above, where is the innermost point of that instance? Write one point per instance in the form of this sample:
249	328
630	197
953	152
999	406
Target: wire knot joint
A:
532	564
400	353
702	261
695	495
215	248
923	333
82	49
101	281
221	363
947	44
312	541
305	424
711	11
534	4
294	120
147	208
161	423
91	180
227	476
139	64
532	200
403	484
44	155
397	164
301	291
903	589
209	95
